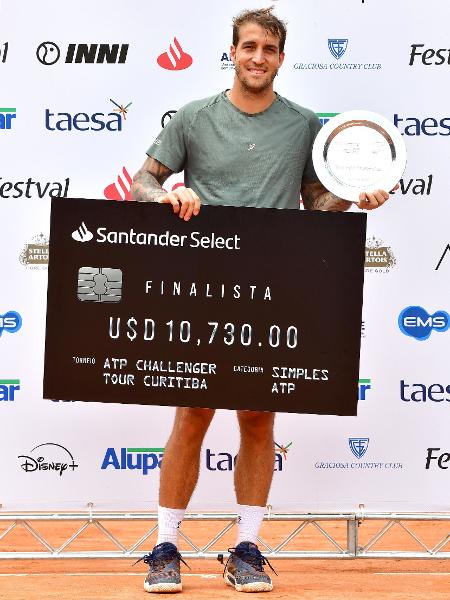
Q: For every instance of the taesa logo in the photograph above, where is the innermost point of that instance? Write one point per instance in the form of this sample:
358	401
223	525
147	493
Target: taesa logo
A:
10	322
358	446
417	323
337	47
176	59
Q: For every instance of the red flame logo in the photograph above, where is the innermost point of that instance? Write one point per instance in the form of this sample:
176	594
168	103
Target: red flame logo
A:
176	59
112	192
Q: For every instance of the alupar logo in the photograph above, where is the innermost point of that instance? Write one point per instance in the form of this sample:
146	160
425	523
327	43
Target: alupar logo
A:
6	117
8	387
325	117
415	321
140	459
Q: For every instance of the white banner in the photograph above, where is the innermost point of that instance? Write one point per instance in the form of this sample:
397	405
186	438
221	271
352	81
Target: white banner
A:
84	93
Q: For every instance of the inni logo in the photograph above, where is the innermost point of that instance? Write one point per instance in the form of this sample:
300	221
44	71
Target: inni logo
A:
358	446
176	59
415	321
325	117
140	459
6	117
10	322
48	53
8	387
337	47
82	234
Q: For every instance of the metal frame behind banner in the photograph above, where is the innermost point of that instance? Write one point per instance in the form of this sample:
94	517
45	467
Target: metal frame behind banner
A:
321	523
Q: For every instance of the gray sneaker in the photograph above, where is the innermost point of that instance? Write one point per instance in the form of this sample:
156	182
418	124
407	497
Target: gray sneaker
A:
244	569
163	569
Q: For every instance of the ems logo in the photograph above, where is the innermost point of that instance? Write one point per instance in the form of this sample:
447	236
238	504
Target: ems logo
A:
337	47
358	446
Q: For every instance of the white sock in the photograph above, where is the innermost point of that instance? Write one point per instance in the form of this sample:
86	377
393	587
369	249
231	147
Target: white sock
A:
169	521
249	522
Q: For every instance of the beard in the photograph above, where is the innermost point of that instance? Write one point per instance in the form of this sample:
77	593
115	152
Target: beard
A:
254	88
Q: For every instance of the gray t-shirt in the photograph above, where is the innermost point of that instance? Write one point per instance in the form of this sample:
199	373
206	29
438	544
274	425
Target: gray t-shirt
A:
238	159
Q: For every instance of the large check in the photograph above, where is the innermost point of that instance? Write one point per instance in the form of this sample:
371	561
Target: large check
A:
239	308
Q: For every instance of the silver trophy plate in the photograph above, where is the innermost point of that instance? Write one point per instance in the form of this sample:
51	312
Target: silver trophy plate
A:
359	151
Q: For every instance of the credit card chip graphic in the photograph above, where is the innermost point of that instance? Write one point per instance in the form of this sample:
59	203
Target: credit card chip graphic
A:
99	284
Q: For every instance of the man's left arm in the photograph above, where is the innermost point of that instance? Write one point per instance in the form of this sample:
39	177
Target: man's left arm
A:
316	197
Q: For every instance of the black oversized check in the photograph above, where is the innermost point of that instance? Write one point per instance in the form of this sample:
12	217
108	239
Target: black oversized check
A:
238	308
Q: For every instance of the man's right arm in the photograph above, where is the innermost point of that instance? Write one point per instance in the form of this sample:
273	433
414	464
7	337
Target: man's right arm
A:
147	187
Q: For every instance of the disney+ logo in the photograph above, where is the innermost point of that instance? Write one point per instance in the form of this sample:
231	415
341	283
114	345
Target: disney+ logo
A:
61	459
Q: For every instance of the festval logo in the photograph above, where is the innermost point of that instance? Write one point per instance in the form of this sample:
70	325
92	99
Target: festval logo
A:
99	284
4	52
111	191
415	321
176	59
337	47
82	234
358	446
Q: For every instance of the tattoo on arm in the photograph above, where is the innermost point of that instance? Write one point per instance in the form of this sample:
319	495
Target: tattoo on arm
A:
316	197
148	181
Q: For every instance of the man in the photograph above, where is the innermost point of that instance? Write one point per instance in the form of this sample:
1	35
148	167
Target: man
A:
246	146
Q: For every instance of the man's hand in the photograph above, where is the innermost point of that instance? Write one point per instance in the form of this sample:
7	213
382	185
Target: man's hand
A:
371	200
184	201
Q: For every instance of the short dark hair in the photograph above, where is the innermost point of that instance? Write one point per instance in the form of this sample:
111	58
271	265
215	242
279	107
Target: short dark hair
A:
264	18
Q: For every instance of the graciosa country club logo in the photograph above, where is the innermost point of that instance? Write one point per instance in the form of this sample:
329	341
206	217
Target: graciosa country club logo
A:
337	47
35	255
60	459
416	322
176	59
358	446
379	257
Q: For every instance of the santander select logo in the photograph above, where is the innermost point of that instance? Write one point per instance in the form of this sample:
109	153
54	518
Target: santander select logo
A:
176	59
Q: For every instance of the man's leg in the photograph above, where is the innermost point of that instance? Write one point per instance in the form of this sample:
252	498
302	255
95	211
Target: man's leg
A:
253	476
179	474
256	458
180	468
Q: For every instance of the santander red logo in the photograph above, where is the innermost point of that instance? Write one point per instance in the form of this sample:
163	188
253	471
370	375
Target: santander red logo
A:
123	192
176	59
122	189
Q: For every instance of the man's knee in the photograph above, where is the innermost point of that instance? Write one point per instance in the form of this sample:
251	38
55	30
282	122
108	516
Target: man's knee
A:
193	423
256	423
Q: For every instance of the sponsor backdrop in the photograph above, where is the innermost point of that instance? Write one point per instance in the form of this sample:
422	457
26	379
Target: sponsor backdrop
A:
84	93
